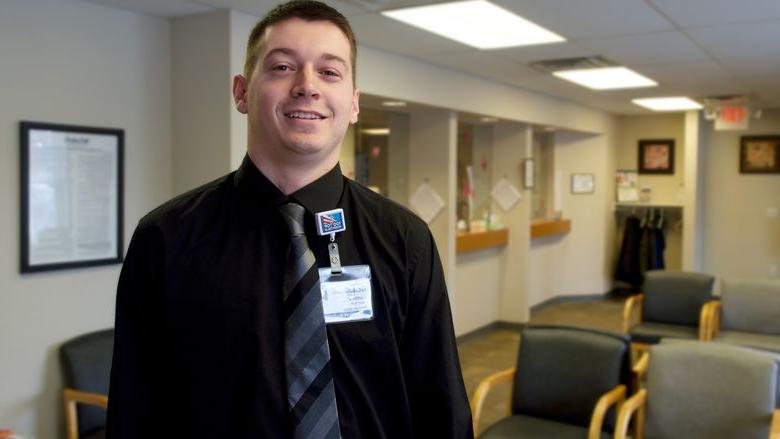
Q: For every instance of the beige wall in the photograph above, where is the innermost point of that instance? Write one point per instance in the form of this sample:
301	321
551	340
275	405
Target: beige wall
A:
76	63
667	189
202	108
739	238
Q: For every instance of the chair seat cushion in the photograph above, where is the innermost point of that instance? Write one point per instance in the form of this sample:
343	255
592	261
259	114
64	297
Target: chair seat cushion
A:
652	333
757	341
99	434
521	426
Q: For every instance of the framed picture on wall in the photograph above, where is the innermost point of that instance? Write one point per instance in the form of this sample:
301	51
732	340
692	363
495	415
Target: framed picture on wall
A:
71	196
656	156
759	155
583	183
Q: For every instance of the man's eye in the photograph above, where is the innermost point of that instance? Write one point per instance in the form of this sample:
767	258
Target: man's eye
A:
281	68
330	73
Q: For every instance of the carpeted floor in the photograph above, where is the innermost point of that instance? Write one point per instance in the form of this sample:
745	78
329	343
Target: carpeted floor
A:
496	350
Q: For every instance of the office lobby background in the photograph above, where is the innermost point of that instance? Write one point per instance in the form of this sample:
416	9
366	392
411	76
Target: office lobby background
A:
166	82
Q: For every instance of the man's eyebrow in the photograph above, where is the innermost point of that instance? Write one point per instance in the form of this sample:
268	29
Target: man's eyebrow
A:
291	52
332	57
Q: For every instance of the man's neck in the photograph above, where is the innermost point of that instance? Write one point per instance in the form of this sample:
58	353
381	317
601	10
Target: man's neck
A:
290	176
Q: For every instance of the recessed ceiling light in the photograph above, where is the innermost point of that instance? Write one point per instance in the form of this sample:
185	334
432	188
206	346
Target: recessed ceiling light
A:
676	103
477	23
394	103
488	119
376	131
606	78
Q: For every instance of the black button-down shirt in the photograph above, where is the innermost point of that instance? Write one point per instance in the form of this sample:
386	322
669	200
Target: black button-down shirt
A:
199	348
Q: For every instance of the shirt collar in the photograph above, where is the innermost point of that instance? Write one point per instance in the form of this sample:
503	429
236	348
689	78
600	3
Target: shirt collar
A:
318	196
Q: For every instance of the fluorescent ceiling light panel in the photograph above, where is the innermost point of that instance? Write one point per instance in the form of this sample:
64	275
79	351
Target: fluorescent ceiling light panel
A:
376	131
477	23
606	78
394	103
676	103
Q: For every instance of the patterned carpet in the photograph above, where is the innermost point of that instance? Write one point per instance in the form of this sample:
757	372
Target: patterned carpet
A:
496	350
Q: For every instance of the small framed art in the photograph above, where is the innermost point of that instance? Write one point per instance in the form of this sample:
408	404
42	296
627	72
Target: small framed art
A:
656	156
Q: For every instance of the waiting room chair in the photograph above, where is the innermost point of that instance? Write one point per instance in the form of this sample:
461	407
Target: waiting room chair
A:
697	390
86	364
564	384
672	305
748	314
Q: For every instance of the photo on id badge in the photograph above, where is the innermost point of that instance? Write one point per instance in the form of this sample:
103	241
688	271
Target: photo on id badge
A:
346	291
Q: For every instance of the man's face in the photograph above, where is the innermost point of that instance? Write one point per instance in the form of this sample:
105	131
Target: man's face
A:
300	98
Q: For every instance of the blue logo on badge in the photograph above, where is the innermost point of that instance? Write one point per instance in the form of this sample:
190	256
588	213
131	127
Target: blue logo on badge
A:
331	221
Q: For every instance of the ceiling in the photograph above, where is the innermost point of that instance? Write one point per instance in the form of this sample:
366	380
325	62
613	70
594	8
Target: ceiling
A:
697	48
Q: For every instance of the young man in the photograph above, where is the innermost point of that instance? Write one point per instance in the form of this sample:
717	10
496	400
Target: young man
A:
216	332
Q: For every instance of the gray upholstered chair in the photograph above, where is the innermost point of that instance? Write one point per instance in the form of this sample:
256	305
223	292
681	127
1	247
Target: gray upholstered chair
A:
564	385
672	306
748	314
699	390
86	365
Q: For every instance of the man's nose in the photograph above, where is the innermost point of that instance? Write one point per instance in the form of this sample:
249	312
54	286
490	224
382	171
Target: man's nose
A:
305	83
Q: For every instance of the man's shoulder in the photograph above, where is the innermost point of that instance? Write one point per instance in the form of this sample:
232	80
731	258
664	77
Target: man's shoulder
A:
190	206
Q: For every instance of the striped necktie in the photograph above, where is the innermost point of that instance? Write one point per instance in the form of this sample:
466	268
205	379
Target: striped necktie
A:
311	397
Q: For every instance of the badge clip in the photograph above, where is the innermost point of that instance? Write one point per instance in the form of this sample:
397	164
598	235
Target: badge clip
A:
329	223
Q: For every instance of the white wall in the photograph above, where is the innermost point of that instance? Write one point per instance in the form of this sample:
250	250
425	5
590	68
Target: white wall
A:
78	63
739	238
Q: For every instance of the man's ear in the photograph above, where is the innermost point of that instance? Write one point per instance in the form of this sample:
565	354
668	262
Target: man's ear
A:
240	85
355	106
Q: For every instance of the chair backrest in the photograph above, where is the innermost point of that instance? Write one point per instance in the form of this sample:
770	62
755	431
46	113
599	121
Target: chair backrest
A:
709	390
751	305
563	371
86	365
675	297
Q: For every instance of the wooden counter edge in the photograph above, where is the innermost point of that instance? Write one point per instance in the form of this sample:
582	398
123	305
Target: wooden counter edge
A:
550	228
468	242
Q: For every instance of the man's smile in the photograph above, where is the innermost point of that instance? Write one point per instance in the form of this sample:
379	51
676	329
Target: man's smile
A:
306	115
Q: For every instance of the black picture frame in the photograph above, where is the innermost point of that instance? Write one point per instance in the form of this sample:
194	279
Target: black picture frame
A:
71	196
759	154
656	156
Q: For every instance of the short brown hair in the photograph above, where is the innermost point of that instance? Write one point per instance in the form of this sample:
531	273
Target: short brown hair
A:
308	10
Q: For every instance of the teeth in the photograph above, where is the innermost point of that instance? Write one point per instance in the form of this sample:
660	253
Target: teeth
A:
302	115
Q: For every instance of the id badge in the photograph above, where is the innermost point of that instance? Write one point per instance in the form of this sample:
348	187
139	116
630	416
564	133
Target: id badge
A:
346	297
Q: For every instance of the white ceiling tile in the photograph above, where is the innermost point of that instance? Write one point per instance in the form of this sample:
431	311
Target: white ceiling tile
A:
647	48
756	39
167	8
591	18
544	52
482	63
747	66
387	34
689	13
688	72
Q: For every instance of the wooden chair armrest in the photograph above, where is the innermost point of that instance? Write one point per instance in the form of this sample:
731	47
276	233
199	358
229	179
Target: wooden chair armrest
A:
633	404
614	396
505	376
72	397
628	310
774	430
707	320
715	316
639	370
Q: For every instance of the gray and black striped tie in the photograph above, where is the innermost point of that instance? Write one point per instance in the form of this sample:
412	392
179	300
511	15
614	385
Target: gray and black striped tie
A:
311	397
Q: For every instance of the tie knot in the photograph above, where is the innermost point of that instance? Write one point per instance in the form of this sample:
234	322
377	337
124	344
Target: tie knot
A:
293	216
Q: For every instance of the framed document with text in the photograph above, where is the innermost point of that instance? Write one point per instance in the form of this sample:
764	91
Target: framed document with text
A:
71	196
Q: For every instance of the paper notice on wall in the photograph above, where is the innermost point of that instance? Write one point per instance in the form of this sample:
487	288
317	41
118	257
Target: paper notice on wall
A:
506	194
426	202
